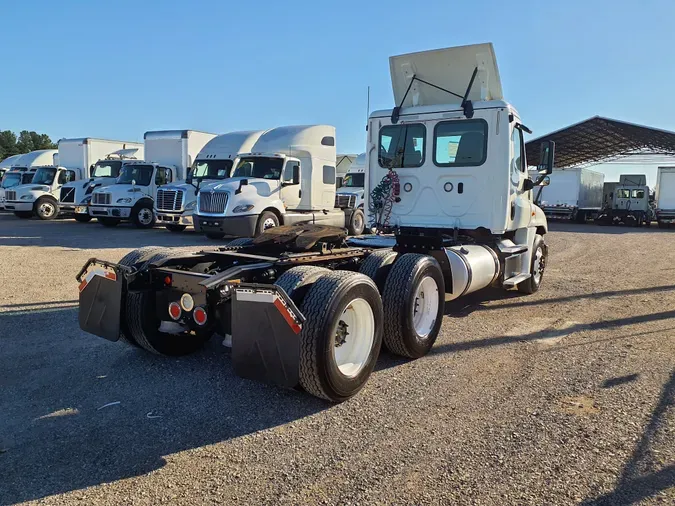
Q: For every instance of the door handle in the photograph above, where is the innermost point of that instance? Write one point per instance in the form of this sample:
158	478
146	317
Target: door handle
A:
299	194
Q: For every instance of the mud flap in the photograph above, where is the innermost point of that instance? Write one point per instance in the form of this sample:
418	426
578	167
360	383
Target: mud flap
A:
100	301
265	335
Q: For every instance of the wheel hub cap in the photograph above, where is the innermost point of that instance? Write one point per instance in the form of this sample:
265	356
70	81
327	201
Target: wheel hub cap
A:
539	265
269	223
145	216
46	209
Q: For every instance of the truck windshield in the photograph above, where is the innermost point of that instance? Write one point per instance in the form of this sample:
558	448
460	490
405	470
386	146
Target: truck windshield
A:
354	181
259	167
212	169
44	176
12	179
106	168
27	177
142	174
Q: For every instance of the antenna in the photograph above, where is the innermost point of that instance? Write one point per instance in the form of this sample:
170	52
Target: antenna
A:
367	107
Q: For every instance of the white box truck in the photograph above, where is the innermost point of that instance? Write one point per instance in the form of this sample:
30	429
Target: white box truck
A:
352	192
168	155
101	161
665	196
573	194
175	203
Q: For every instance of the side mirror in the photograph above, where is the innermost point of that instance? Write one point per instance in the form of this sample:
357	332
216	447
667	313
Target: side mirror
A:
545	181
189	177
546	158
242	183
296	174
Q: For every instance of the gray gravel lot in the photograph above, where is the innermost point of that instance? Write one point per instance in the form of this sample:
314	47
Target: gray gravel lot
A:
564	397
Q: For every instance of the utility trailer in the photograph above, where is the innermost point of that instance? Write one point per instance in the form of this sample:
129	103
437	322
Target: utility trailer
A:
626	202
303	305
665	197
573	194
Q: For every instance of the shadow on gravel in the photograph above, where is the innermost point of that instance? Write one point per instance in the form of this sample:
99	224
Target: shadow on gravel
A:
620	380
641	477
592	228
57	436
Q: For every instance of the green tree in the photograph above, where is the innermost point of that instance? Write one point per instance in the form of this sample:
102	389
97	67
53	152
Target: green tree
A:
25	143
8	145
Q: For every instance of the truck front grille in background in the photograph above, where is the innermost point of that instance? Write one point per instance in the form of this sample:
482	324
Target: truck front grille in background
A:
169	200
212	202
10	195
67	195
343	201
101	198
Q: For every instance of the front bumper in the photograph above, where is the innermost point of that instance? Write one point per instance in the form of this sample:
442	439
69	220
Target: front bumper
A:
110	212
165	218
18	206
238	226
69	207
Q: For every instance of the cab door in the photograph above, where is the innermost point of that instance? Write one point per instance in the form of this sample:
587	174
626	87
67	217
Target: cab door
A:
291	192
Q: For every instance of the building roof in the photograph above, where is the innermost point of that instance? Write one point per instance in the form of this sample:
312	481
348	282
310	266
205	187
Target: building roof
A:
599	140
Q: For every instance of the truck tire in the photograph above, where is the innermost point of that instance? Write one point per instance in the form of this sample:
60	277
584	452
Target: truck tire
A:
266	220
142	215
82	218
377	265
298	280
414	303
342	336
175	228
109	222
537	266
660	223
24	215
214	235
240	241
580	217
357	222
46	208
144	324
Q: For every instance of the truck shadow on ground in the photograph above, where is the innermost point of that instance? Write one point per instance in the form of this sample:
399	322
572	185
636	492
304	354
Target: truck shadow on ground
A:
592	228
56	436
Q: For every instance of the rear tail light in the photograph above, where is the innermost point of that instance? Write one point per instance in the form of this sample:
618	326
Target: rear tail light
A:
175	311
199	315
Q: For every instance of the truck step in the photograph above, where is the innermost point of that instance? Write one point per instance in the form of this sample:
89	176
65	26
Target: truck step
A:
519	278
508	247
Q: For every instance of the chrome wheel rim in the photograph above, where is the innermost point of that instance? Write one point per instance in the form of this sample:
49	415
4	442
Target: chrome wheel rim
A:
358	222
354	337
425	306
269	223
145	216
46	209
539	265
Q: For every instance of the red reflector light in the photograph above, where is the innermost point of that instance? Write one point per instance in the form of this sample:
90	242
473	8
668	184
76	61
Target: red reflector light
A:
167	281
175	311
199	314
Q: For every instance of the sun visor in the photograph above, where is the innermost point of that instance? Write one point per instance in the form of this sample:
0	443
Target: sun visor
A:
450	69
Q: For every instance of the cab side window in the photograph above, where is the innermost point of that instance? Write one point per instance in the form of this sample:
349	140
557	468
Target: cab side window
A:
402	146
517	160
163	176
66	176
291	169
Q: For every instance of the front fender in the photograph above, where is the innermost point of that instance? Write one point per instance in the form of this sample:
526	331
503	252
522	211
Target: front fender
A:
538	219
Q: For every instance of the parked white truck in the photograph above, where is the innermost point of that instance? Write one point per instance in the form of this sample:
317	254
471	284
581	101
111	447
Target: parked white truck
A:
168	155
101	160
352	192
288	178
12	178
7	163
573	194
175	203
626	202
305	306
665	196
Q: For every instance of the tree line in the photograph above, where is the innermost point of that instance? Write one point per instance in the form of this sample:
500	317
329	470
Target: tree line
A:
26	142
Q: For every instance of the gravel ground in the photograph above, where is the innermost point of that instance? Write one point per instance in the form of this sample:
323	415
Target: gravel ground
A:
567	396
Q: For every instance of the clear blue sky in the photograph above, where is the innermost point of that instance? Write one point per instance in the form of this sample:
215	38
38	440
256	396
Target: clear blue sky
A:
117	69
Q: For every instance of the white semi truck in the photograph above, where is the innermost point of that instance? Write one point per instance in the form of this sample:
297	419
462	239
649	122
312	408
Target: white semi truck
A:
175	203
287	178
665	196
12	178
7	163
168	155
626	202
352	192
101	160
5	166
306	306
573	194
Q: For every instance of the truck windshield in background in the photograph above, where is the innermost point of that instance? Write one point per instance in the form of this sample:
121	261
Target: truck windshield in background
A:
212	169
11	180
44	176
142	174
107	168
259	167
354	181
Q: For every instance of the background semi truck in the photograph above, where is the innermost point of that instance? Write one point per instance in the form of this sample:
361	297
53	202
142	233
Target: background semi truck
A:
12	178
626	202
288	178
573	194
304	305
168	155
175	203
665	197
352	192
101	161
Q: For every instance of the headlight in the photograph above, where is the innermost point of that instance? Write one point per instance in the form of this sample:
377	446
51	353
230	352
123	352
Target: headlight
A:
191	205
124	201
243	208
27	197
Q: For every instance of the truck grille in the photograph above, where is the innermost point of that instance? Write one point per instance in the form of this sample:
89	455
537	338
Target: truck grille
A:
169	200
67	195
10	195
101	198
212	202
343	201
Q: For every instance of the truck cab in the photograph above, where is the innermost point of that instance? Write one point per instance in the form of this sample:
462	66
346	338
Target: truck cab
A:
14	176
627	202
352	191
132	195
40	197
288	178
175	203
